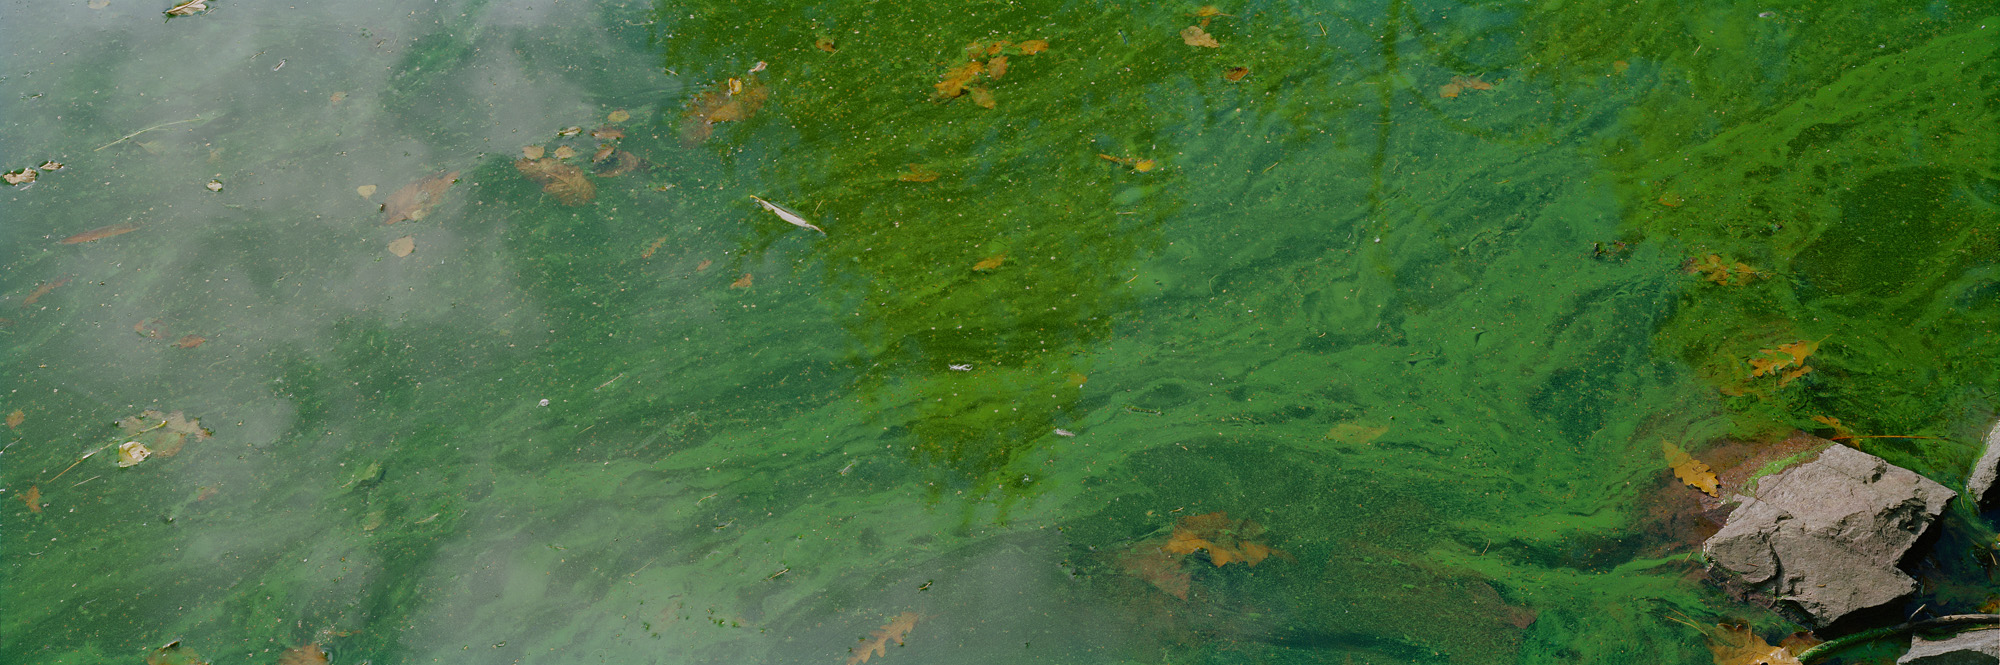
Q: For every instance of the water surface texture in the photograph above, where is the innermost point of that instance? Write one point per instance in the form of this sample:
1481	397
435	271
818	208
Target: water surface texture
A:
1264	332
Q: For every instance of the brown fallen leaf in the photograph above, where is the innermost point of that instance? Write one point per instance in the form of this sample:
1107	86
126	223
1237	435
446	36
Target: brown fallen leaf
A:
1690	470
1193	35
416	199
1224	539
569	131
1033	46
621	163
100	233
1471	83
1738	645
983	98
990	263
565	152
997	66
403	246
337	98
306	655
188	8
20	177
917	174
825	44
15	419
705	263
607	133
43	289
33	497
741	282
1449	90
619	115
564	181
1235	73
366	191
654	247
1162	570
877	644
150	328
190	341
728	102
533	151
603	152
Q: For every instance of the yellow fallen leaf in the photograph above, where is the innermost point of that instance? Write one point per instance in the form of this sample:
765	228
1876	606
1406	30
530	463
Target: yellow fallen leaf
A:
131	453
990	263
983	98
742	282
618	116
402	247
565	152
533	151
1195	36
365	191
1690	470
1355	433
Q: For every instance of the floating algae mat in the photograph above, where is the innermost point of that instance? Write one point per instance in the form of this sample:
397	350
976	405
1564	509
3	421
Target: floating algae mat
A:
1323	332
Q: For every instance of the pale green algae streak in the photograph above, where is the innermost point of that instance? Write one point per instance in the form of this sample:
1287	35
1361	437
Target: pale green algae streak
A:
766	474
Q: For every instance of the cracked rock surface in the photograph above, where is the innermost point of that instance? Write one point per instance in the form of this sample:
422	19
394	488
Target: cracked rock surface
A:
1823	538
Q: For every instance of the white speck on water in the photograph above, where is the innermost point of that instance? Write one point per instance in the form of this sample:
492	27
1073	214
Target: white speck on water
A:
545	402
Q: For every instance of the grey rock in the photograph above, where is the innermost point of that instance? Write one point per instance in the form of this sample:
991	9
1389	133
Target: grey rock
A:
1823	537
1986	470
1978	647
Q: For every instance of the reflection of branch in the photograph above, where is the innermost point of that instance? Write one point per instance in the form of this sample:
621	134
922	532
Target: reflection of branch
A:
1820	650
148	129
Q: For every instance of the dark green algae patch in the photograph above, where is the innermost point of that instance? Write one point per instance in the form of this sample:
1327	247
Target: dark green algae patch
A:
767	473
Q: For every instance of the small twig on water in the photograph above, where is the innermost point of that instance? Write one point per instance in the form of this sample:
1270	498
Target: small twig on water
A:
148	129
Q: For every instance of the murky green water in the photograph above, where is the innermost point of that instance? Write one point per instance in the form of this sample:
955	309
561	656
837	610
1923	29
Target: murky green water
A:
1425	334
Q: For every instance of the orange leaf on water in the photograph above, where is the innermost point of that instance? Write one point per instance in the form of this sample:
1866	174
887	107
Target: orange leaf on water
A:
1690	470
1235	73
954	82
990	263
877	643
1449	90
824	44
742	282
1033	46
190	341
33	497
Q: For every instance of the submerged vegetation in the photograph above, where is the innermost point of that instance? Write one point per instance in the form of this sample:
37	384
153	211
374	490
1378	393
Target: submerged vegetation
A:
1326	331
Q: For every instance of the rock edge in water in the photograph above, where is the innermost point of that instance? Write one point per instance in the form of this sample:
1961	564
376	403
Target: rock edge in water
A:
1821	539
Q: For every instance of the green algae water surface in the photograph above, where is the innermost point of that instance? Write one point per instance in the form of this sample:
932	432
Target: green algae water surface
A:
1259	332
